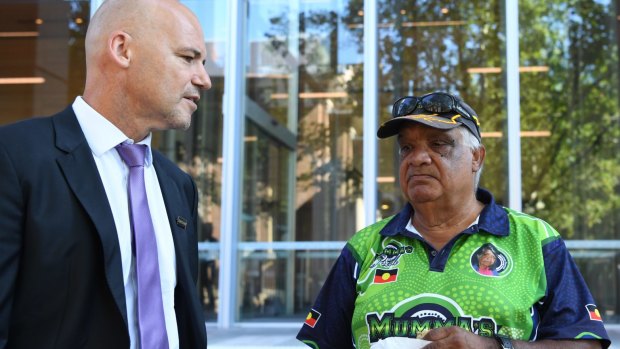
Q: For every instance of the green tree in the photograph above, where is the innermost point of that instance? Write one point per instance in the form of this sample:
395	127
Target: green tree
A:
571	177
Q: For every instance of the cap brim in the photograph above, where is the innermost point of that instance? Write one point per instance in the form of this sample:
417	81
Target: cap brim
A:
444	122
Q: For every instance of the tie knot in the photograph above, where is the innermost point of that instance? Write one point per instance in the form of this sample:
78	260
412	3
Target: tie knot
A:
132	154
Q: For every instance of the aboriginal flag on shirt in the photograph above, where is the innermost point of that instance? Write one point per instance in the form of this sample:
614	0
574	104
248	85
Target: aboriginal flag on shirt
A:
383	276
593	312
312	318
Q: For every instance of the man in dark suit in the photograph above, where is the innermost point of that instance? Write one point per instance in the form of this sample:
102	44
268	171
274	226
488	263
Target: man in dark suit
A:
68	274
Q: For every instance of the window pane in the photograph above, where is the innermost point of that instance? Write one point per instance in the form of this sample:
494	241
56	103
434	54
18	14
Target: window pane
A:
265	188
571	134
329	152
42	63
600	270
450	46
272	61
302	161
267	276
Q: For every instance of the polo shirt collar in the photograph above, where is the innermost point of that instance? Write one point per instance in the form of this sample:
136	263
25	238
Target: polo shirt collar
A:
493	218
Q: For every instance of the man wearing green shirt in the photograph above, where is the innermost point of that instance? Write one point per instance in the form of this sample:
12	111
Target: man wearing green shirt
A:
453	266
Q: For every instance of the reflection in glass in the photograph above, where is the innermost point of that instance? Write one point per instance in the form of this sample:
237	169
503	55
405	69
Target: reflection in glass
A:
302	176
264	282
265	188
329	152
448	47
599	268
42	63
571	139
266	274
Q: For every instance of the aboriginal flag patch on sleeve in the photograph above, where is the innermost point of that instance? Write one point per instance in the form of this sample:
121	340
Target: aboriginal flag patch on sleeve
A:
593	312
312	318
383	276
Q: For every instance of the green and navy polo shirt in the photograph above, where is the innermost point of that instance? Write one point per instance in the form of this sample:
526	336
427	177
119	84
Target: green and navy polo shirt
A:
388	282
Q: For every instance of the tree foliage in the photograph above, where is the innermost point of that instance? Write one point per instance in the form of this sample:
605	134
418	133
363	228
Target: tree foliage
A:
570	177
568	86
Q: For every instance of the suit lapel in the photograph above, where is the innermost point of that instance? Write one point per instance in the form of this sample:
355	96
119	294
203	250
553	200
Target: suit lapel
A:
183	234
83	178
175	207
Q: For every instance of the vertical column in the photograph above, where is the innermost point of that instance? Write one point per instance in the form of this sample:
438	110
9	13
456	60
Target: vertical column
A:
232	169
293	110
513	104
370	111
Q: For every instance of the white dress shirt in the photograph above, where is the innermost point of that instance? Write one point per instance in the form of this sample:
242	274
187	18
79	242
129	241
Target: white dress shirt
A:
102	136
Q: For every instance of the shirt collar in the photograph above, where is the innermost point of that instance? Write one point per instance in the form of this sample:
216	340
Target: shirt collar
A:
101	135
493	218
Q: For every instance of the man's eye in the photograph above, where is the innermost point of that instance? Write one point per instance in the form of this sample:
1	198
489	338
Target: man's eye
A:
188	59
441	143
404	150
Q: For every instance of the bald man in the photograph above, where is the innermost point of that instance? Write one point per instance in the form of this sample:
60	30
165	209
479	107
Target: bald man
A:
68	247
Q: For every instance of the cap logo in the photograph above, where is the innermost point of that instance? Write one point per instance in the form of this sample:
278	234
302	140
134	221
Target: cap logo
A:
436	118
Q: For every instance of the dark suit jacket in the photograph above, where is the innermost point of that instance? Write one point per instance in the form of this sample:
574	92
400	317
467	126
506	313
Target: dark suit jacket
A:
61	282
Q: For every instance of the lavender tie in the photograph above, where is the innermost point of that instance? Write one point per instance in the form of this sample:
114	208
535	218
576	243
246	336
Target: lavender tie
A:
151	321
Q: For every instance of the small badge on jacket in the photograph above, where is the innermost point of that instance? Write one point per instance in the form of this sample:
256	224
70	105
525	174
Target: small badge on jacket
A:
181	222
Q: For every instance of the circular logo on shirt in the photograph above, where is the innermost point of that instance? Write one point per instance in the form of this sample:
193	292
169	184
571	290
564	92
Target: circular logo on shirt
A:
416	315
488	260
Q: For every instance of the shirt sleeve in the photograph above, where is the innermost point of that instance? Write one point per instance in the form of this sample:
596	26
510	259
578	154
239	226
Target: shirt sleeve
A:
568	311
328	324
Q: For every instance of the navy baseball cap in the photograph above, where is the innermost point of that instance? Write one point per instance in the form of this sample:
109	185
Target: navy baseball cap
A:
438	110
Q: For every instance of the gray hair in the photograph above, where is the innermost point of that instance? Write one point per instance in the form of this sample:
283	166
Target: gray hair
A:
474	144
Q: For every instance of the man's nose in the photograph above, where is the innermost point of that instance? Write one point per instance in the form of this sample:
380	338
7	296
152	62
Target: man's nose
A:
418	156
201	78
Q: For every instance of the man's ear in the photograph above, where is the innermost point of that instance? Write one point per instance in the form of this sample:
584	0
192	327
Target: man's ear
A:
119	44
478	158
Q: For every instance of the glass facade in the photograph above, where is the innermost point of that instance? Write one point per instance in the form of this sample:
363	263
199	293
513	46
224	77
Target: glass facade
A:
571	125
433	46
302	98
